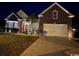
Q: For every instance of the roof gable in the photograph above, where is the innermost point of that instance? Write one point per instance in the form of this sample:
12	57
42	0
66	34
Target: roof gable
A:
22	14
12	15
66	11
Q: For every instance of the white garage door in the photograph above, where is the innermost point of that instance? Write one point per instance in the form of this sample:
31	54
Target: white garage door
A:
55	29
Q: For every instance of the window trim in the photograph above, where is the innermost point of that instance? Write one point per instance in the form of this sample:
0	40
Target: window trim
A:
56	14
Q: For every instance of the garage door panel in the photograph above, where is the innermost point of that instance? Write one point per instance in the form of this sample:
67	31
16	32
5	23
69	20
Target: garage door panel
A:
55	29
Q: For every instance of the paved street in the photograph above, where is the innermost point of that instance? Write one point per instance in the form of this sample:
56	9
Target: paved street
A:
50	46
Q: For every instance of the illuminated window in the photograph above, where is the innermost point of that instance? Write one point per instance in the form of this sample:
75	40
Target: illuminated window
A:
12	24
55	14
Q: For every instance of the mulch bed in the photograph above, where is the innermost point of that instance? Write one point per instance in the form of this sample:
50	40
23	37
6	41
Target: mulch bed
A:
13	45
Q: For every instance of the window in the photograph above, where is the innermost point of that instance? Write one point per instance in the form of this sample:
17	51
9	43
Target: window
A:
55	14
12	24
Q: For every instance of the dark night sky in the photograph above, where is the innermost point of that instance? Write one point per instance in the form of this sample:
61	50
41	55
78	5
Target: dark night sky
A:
34	9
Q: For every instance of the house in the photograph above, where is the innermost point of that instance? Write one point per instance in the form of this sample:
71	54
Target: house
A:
25	23
15	23
31	26
55	21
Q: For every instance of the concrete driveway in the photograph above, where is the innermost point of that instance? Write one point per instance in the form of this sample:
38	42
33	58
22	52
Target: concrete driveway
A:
49	46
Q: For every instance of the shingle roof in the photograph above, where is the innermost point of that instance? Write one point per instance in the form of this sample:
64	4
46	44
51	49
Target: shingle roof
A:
22	14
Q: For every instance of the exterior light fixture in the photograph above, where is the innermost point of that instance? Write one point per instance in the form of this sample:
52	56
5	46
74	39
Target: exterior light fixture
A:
40	16
74	29
70	35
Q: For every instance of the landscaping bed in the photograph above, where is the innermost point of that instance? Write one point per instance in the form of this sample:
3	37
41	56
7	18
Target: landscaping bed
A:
14	45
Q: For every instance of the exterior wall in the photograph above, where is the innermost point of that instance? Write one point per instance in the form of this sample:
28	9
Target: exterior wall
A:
62	18
25	27
11	26
19	24
69	27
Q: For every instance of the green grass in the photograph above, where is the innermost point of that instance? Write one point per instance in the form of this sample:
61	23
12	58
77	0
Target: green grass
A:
13	45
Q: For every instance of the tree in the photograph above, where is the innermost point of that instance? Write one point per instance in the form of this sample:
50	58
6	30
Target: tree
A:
32	19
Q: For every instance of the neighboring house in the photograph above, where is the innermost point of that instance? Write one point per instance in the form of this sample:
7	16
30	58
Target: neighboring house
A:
17	22
30	26
25	23
55	21
14	23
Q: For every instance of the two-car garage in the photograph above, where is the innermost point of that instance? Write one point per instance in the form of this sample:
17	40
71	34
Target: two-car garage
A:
55	30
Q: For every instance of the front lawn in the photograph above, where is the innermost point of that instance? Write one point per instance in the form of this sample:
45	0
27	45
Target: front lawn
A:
14	45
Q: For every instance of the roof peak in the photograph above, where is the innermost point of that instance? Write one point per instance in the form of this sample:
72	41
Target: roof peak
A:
21	13
55	3
12	14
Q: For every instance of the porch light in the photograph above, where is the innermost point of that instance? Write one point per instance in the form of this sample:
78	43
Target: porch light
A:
40	16
5	19
74	29
71	16
70	35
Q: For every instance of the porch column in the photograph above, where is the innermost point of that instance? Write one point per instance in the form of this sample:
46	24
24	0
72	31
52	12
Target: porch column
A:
20	25
6	25
29	28
5	29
